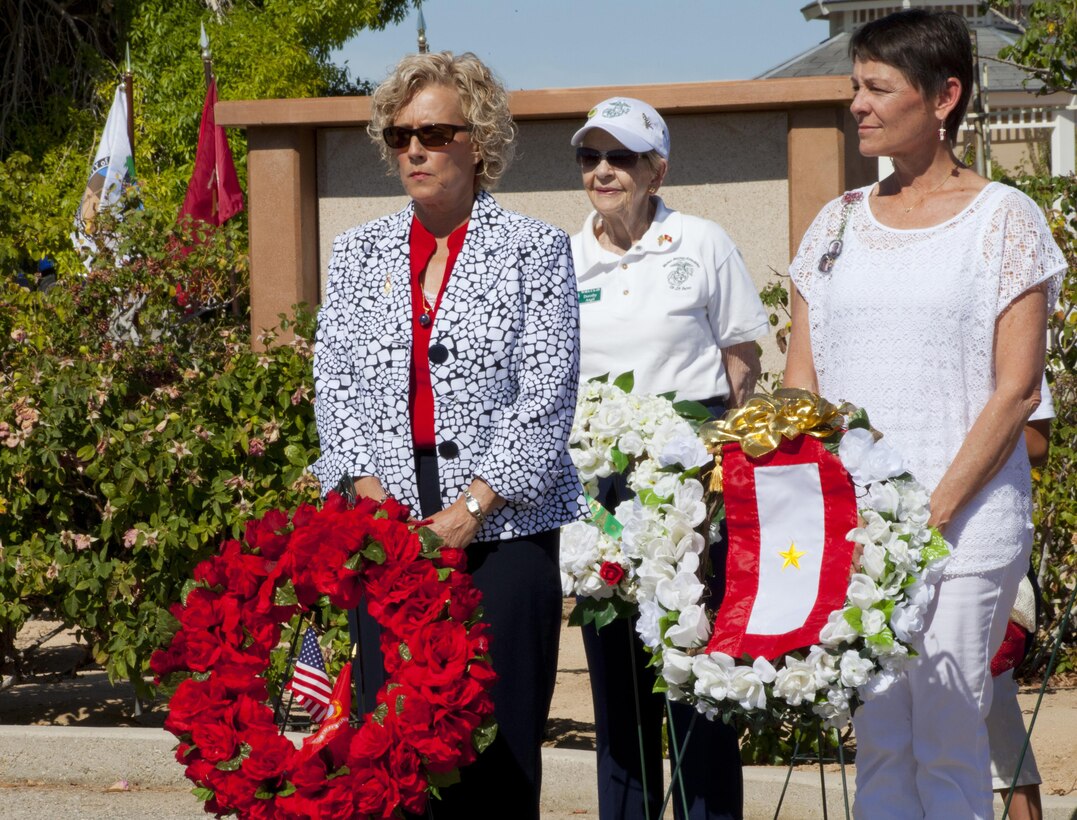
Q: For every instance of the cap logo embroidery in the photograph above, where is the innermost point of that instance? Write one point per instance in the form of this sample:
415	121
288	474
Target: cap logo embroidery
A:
617	108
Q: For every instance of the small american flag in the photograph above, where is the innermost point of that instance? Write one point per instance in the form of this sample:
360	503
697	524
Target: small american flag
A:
309	682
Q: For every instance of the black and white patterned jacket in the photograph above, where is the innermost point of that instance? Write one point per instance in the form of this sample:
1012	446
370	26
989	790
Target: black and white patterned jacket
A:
504	364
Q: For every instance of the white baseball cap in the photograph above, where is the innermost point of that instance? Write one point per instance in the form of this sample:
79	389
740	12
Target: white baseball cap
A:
634	123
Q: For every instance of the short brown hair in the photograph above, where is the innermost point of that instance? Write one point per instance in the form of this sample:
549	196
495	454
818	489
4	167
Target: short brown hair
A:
928	47
482	98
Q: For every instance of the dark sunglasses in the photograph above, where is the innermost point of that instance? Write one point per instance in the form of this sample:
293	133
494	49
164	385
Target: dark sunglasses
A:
437	135
589	158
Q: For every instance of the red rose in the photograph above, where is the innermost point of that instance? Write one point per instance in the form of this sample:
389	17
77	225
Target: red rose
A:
270	754
611	573
171	659
233	789
238	672
453	558
195	701
268	534
203	649
466	597
375	793
216	740
407	775
251	715
442	647
371	742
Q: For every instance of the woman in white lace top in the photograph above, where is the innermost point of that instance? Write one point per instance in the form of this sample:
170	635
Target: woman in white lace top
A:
924	299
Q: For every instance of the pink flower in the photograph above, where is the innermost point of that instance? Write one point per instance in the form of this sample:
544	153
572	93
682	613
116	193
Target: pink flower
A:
256	447
130	538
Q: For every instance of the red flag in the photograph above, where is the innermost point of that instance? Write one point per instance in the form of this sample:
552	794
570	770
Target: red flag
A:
340	707
787	514
213	194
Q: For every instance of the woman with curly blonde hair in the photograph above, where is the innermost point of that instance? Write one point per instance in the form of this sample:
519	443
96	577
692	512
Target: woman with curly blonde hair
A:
446	367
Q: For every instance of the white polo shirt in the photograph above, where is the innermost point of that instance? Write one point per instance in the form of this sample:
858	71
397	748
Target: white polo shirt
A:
666	308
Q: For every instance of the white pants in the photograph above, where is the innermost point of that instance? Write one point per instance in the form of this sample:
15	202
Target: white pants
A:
921	746
1007	733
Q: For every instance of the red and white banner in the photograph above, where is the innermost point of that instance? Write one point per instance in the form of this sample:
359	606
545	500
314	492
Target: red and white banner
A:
787	515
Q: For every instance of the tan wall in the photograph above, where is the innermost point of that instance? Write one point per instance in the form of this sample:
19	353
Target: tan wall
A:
727	167
759	157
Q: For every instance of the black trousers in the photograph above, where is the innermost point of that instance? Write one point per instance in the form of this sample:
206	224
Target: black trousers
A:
711	768
520	582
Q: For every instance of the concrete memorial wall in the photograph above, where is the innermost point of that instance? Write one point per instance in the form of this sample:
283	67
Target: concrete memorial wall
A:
760	157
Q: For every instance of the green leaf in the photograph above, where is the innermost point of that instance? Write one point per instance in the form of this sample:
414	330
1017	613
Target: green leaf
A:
855	618
285	594
484	735
440	780
202	793
626	381
343	770
620	460
380	713
374	552
405	653
86	453
936	548
355	563
237	761
858	419
692	410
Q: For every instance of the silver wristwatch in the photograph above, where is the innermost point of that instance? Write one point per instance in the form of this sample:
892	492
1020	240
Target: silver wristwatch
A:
473	506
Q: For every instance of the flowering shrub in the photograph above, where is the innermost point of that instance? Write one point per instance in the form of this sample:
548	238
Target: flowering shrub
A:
124	463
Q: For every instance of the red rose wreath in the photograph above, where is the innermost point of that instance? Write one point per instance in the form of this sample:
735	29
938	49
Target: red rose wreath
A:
434	714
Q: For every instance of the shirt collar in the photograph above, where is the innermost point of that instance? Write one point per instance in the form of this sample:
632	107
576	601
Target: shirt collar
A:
662	236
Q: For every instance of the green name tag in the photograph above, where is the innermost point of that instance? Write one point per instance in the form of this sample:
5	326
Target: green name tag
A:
592	295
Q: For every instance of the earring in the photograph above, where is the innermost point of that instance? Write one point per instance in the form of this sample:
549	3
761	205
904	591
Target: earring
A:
652	190
942	133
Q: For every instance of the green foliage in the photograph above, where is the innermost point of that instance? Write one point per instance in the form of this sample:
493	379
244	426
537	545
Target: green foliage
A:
1055	484
123	464
1047	48
50	124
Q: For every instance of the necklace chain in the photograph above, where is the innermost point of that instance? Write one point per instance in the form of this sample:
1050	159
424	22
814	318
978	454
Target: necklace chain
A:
945	179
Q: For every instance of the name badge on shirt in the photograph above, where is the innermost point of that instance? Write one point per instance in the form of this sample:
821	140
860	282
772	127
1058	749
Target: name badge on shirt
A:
593	295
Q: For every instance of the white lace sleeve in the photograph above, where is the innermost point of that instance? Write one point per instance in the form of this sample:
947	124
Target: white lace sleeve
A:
1029	254
804	269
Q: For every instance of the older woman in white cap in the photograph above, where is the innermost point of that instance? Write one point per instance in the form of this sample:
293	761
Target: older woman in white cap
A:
666	296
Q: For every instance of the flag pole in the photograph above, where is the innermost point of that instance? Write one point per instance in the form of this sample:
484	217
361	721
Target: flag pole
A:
207	58
129	93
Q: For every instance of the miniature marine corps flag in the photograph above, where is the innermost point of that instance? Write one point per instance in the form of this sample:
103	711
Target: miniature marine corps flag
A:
788	565
335	719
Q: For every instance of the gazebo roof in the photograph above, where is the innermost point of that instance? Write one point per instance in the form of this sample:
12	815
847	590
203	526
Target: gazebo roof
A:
831	56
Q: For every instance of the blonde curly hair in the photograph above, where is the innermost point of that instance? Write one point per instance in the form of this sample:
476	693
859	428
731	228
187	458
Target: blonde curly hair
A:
483	100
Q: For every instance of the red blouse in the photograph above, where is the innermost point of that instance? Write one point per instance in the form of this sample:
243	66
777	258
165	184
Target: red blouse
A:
420	393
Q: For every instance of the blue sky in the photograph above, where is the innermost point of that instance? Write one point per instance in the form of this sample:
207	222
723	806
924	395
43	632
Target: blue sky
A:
566	43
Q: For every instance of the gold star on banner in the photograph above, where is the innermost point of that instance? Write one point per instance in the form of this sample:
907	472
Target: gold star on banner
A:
791	556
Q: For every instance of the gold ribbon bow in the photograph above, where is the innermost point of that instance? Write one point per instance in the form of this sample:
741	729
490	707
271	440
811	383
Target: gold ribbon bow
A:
764	420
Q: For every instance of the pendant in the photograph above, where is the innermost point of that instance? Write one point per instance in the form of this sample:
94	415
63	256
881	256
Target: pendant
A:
424	320
827	260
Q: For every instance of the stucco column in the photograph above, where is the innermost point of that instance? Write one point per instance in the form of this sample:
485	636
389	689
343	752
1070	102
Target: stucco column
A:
283	222
824	162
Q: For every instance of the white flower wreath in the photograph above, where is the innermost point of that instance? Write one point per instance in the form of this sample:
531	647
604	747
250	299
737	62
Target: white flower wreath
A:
648	561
